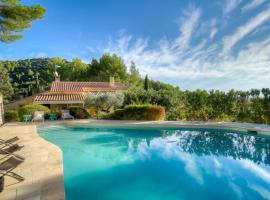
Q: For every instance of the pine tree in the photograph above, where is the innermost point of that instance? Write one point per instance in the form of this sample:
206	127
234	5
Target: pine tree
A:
15	17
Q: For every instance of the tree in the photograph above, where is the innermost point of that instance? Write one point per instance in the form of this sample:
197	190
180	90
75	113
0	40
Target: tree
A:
108	65
134	74
146	83
15	17
104	102
77	70
5	85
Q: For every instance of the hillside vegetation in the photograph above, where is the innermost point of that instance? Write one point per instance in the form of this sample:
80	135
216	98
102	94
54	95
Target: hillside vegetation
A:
27	77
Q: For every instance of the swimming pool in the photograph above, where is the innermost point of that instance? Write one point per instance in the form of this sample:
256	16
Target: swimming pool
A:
161	163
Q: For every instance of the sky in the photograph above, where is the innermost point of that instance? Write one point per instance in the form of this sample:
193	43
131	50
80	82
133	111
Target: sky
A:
193	44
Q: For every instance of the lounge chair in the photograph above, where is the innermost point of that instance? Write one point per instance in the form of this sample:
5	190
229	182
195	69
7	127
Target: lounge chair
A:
10	164
10	149
38	116
9	141
66	115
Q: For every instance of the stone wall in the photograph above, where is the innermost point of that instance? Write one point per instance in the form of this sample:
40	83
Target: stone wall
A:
19	103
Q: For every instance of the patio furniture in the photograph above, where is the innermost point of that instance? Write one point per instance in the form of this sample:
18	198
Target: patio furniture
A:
38	116
66	115
10	164
9	141
27	118
53	116
11	149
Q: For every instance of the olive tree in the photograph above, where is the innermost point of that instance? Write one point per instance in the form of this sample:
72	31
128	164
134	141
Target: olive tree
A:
104	102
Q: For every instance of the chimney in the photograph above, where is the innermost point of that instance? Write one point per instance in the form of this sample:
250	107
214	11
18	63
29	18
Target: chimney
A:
57	78
112	81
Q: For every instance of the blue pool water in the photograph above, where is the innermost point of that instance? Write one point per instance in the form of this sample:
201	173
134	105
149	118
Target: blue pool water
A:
162	164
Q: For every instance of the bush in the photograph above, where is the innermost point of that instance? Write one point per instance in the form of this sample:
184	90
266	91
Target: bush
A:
79	112
139	112
30	109
11	116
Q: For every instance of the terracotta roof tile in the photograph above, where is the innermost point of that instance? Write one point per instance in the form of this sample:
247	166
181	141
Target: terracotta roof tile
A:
64	86
49	97
63	91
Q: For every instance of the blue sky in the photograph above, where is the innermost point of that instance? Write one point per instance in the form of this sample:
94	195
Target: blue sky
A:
219	44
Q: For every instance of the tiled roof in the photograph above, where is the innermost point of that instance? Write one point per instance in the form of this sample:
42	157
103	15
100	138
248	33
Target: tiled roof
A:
64	86
49	97
73	92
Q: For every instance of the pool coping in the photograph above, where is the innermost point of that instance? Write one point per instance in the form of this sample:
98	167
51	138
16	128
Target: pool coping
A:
259	128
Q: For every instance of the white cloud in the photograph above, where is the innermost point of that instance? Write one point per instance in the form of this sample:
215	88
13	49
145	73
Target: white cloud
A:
253	4
265	194
230	5
195	59
242	31
187	27
259	171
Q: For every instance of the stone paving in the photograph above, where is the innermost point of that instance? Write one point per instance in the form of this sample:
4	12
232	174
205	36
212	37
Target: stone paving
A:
42	168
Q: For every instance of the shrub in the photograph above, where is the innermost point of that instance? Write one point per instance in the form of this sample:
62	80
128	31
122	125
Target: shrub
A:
139	112
31	108
11	116
79	112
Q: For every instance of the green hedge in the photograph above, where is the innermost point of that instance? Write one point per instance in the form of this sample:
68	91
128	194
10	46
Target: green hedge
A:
139	112
11	116
30	109
79	112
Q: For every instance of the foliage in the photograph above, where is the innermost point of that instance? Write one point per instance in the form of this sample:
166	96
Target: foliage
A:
139	112
104	102
76	70
31	108
11	116
134	77
160	94
30	76
146	83
108	65
16	17
5	85
213	105
79	112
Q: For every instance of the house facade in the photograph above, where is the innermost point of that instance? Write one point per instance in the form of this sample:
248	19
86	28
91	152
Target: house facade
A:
64	94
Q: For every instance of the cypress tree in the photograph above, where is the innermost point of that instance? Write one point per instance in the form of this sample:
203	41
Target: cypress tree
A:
146	83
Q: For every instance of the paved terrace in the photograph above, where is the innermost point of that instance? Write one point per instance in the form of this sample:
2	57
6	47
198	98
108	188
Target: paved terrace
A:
42	168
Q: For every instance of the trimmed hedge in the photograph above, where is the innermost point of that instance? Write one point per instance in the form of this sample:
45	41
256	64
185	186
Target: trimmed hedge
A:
79	112
31	108
139	112
11	116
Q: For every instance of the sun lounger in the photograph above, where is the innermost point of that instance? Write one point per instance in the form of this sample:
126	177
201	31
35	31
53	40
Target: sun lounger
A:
38	116
9	141
66	114
11	149
10	164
